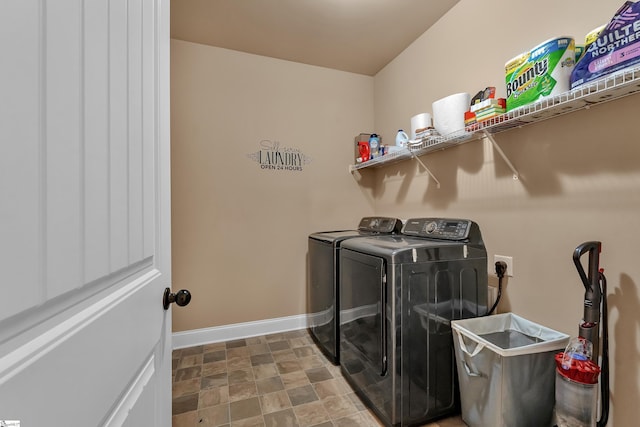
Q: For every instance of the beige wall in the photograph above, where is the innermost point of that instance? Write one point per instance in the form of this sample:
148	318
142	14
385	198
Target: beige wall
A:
580	174
239	231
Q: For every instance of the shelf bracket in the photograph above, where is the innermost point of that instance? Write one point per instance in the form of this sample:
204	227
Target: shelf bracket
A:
427	169
487	135
355	172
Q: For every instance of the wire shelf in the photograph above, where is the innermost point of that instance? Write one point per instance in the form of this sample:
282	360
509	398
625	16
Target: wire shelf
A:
613	86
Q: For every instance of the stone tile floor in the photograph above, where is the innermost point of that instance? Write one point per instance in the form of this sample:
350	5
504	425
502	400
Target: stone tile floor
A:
278	380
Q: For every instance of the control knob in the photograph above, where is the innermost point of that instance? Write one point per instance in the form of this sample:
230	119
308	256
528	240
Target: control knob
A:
431	227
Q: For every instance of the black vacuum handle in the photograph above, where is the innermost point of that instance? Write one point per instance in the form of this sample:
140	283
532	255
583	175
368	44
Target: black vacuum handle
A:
594	251
595	285
590	280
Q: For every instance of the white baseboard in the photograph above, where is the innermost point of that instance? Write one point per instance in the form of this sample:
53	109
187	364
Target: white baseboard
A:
236	331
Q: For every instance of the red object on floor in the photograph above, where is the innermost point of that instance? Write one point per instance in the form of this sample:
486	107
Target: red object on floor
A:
582	371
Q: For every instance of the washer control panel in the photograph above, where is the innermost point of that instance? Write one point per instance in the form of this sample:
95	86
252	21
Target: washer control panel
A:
438	228
380	224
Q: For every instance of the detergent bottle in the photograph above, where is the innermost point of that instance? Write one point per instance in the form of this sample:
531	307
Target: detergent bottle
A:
401	138
374	145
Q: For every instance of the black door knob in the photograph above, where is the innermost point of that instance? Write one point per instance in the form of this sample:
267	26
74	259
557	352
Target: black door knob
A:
182	298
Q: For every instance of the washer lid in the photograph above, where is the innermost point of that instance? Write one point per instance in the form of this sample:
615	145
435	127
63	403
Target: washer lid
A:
394	243
334	236
371	225
400	249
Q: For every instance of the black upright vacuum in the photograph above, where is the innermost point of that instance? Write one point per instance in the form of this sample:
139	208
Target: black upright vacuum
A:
595	309
578	369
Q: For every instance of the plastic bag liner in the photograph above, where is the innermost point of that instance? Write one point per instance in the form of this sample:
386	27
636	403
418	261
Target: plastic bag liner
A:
506	370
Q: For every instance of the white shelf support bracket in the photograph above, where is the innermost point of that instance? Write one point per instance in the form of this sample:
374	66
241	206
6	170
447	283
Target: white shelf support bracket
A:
516	175
433	177
354	172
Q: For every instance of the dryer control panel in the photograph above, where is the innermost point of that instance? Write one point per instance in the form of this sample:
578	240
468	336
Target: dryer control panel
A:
438	228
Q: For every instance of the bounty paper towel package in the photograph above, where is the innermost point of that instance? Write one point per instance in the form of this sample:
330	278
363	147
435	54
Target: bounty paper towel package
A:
540	73
616	47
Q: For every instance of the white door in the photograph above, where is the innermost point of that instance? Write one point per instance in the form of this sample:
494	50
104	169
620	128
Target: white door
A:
84	213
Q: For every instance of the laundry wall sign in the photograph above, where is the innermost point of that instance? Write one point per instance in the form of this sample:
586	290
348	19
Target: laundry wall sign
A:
273	156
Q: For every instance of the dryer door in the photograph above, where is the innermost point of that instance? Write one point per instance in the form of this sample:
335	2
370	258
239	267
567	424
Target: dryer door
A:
363	332
321	297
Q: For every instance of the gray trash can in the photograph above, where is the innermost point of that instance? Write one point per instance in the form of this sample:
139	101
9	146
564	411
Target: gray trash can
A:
506	370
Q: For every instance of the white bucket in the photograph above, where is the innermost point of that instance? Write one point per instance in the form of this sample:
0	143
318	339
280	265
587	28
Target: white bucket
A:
506	385
420	122
448	113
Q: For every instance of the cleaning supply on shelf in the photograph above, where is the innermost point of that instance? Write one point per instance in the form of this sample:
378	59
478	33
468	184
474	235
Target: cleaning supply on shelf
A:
489	108
374	146
365	154
484	106
483	95
469	121
362	138
615	48
542	72
401	138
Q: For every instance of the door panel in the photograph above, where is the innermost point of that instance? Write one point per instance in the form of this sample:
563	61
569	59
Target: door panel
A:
79	177
19	167
96	129
69	352
85	212
60	146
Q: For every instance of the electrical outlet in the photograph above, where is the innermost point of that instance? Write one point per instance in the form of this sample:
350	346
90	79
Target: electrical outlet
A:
507	260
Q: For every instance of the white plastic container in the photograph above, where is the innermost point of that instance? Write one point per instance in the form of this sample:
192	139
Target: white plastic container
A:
401	138
448	113
506	370
419	123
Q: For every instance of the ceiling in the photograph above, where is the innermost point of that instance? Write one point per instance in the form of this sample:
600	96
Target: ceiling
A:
359	36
